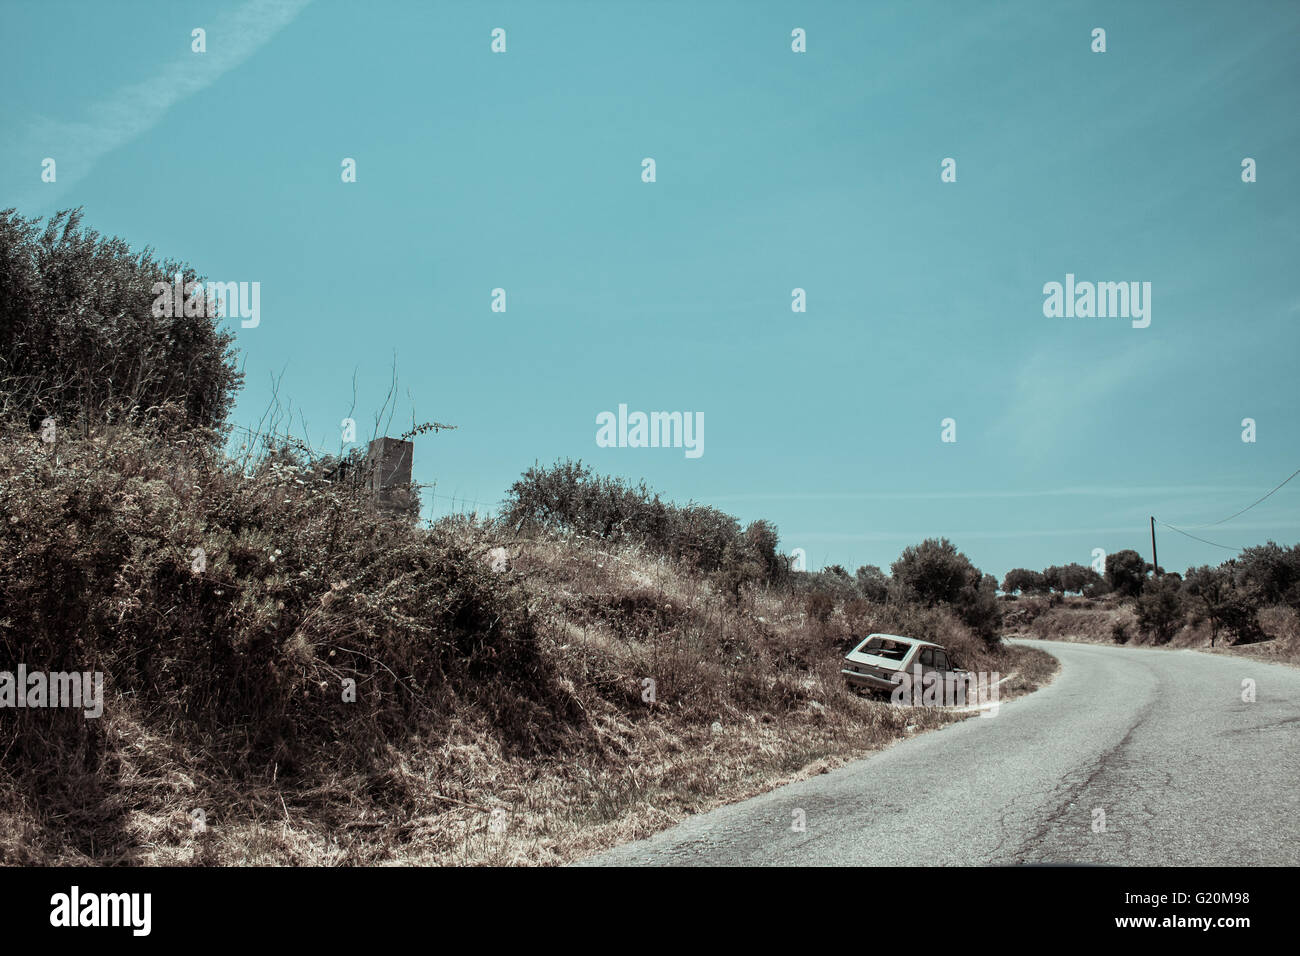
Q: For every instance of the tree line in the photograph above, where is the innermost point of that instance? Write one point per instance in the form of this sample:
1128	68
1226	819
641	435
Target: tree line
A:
1228	596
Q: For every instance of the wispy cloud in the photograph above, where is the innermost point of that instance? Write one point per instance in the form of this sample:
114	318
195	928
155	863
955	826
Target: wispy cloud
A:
1055	391
130	111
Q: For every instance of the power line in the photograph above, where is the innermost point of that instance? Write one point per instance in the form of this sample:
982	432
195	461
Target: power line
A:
1195	538
1248	507
1216	544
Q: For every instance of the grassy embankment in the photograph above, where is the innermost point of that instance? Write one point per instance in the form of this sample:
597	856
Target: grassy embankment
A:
1095	621
500	715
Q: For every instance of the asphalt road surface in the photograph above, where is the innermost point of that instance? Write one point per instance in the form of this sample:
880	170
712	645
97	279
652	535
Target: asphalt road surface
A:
1185	771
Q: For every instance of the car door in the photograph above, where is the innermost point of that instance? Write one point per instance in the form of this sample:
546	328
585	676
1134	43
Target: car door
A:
924	660
943	667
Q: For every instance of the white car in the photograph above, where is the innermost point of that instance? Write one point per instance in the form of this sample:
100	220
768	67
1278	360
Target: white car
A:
872	666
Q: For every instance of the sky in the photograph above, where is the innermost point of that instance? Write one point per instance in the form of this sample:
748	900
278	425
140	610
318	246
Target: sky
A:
774	170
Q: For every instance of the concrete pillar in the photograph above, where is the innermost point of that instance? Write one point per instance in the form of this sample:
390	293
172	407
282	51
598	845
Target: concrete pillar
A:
388	474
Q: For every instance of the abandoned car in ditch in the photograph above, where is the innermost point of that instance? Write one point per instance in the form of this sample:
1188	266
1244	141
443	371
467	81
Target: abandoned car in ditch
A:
877	664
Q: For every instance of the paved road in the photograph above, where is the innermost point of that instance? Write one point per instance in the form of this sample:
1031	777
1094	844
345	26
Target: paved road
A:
1186	772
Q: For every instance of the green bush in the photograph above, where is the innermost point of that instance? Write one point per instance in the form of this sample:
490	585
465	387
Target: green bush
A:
819	607
1126	572
1160	611
1077	577
838	586
569	496
1274	572
935	573
1022	580
932	572
1097	589
1240	618
873	584
938	624
299	586
79	341
977	607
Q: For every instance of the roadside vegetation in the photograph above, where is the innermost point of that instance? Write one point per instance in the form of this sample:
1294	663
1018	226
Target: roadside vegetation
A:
294	676
1247	605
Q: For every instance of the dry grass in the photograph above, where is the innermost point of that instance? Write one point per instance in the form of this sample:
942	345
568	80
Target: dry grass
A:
501	716
748	696
1087	621
1281	624
1074	619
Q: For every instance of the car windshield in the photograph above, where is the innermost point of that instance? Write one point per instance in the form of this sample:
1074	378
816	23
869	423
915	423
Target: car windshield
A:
883	647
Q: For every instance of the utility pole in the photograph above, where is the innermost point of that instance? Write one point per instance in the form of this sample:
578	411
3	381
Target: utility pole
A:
1155	565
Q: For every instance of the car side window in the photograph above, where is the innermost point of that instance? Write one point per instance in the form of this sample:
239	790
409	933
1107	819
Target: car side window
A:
941	660
927	657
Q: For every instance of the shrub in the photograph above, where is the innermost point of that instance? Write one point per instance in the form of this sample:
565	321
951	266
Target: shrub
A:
1226	604
78	338
1126	572
569	496
1052	580
932	572
873	584
1020	580
977	607
1240	618
741	568
819	606
1160	609
1097	589
1209	587
1274	572
761	541
839	587
301	585
935	572
1077	577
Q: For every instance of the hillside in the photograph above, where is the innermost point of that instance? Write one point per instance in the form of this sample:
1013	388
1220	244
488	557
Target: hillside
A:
502	709
291	674
1109	620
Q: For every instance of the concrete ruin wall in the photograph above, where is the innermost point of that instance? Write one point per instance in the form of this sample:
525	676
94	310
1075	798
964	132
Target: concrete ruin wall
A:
388	475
